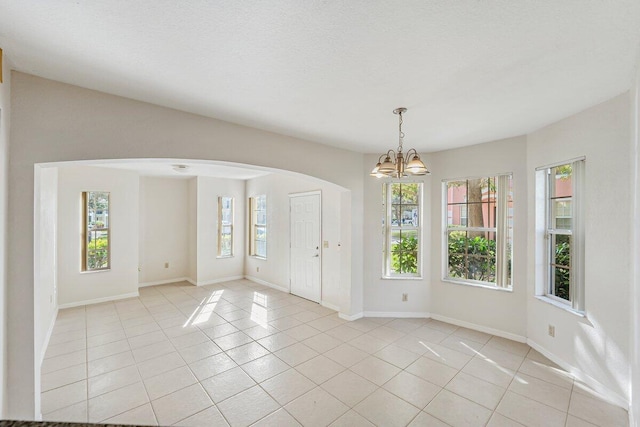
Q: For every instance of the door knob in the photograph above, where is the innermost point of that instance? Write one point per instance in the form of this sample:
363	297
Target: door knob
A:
316	256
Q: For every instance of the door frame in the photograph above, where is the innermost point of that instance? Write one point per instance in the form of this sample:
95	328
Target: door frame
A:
303	194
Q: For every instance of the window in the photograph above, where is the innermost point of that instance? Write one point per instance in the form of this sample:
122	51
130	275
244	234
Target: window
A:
463	214
225	227
96	248
258	231
479	230
402	230
563	233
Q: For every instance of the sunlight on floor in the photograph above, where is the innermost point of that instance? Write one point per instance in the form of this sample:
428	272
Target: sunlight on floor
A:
203	312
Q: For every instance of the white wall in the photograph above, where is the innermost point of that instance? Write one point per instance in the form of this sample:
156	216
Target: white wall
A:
5	115
275	269
383	297
597	346
75	286
45	262
46	259
91	125
210	268
164	230
497	310
192	240
634	318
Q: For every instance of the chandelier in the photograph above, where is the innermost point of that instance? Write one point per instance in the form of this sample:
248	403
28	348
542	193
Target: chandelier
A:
395	163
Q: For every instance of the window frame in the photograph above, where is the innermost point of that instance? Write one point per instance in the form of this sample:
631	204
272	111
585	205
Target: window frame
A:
222	225
254	226
388	228
503	219
85	233
575	232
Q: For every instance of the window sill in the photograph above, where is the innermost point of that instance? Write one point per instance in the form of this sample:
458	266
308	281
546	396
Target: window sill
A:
263	258
478	285
561	305
104	270
401	278
224	257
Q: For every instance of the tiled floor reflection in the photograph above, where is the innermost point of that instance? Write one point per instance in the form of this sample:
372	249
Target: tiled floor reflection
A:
242	354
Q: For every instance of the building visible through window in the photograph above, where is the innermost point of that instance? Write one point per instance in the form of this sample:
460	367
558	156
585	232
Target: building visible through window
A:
564	234
479	230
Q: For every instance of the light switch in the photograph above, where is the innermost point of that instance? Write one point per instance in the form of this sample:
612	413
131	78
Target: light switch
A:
325	244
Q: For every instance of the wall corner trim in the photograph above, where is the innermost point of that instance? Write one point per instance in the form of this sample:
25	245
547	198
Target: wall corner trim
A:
99	300
214	281
352	317
330	306
399	314
47	338
480	328
164	282
604	392
265	283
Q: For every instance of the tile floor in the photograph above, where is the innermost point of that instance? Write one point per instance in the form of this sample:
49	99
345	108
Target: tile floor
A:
242	354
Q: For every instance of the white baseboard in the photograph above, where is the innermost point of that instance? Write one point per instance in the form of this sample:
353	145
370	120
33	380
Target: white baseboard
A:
480	328
403	314
47	337
604	392
330	305
351	317
99	300
163	282
265	283
214	281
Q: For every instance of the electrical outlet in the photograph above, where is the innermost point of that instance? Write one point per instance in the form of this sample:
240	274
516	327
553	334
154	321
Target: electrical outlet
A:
166	265
552	331
325	244
405	297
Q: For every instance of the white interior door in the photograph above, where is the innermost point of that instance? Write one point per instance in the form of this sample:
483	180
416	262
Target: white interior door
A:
306	255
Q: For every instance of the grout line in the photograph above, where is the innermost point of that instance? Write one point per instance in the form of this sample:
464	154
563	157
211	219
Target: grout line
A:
172	297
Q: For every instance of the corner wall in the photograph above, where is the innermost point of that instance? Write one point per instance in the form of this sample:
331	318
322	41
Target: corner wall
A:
275	269
210	268
492	310
77	287
5	121
163	225
45	262
634	317
596	347
383	297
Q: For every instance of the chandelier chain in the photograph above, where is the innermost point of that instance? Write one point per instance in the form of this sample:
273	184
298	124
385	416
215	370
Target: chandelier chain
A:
400	133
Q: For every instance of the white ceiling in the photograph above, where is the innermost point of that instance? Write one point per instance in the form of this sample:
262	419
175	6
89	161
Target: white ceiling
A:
468	70
166	168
